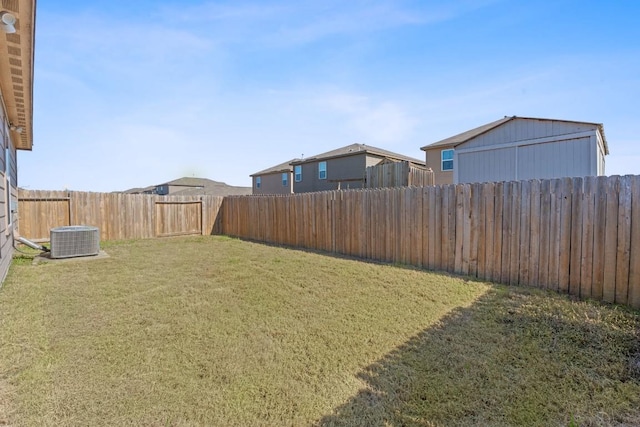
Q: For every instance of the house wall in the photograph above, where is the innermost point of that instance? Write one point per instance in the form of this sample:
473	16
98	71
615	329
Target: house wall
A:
567	157
8	199
526	129
434	161
348	171
271	183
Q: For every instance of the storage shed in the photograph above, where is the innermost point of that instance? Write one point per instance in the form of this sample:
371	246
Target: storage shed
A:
520	148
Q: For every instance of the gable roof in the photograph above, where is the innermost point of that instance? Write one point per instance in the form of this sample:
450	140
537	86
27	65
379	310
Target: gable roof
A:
353	149
470	134
197	187
204	186
190	182
282	167
214	189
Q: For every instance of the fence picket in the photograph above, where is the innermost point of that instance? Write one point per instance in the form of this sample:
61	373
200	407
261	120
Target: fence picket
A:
514	243
524	233
586	260
534	234
575	257
611	240
624	241
634	255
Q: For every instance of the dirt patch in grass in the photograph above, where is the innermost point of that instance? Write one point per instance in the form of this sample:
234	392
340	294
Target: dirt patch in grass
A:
217	331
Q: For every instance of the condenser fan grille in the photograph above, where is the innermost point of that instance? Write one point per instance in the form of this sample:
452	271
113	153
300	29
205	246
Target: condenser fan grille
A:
74	241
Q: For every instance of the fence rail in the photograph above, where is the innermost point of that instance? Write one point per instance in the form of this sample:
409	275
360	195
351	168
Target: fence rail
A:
117	215
579	236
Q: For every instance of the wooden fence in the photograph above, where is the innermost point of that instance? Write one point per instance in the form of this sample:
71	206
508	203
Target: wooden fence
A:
578	236
398	174
117	215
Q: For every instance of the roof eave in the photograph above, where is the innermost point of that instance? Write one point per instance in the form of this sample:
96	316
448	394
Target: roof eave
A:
16	72
354	153
271	172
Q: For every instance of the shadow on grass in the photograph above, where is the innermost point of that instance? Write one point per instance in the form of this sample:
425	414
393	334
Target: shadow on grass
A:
516	357
338	255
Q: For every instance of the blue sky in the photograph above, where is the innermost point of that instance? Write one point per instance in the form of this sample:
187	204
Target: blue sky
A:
130	94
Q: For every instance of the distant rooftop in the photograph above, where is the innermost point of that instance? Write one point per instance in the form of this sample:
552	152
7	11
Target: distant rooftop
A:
196	186
282	167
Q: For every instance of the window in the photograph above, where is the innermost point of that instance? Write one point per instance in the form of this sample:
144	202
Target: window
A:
322	170
447	160
285	179
297	171
258	182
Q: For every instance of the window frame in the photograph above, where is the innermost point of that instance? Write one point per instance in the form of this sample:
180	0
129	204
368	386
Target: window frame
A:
322	167
258	181
7	182
443	160
297	173
285	179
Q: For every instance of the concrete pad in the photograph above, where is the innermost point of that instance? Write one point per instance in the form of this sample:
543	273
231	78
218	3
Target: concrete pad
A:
46	257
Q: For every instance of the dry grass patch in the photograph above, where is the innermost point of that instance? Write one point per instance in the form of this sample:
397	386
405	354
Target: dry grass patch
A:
217	331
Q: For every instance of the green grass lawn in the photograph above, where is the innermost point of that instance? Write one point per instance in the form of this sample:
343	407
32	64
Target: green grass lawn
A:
218	331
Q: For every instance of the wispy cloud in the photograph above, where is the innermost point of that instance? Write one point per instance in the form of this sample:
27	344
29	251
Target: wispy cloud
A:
376	121
282	23
228	88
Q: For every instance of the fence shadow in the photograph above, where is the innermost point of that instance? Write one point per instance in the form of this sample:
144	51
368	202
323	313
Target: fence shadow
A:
516	357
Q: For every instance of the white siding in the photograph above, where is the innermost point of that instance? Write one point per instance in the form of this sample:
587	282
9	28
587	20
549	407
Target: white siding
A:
372	161
526	129
601	169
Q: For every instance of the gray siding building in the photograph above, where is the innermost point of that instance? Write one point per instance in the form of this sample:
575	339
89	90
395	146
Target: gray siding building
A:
274	180
520	148
343	168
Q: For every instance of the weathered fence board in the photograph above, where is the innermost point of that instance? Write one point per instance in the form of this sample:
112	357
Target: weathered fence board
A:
578	236
118	215
398	174
634	257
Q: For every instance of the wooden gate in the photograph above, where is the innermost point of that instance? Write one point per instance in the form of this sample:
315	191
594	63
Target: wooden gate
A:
175	218
39	215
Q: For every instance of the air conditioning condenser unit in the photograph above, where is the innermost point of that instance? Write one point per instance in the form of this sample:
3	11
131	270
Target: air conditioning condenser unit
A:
74	241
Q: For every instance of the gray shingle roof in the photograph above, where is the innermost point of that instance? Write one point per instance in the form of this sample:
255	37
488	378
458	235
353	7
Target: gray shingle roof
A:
191	182
282	167
470	134
214	190
198	186
352	149
465	136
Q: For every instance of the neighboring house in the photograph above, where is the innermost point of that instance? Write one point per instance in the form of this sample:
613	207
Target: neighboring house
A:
16	112
274	180
519	148
342	168
192	187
